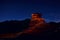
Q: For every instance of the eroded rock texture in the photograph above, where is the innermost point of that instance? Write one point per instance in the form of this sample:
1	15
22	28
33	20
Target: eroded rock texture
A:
37	24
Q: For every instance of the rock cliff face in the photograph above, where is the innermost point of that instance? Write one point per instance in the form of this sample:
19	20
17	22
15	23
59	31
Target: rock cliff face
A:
37	24
36	20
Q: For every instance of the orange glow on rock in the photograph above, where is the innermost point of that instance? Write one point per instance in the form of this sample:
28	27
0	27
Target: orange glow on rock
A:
36	23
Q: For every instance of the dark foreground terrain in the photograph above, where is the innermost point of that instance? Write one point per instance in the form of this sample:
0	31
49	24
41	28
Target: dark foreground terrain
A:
52	33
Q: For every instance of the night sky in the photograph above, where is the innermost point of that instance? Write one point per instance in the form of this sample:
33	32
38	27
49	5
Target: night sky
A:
22	9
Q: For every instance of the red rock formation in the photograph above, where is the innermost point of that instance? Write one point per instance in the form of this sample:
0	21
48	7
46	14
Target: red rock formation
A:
36	24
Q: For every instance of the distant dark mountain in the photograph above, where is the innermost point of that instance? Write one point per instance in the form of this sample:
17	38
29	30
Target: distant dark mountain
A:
14	26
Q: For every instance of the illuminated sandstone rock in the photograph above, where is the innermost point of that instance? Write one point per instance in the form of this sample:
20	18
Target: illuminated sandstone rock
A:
36	23
37	19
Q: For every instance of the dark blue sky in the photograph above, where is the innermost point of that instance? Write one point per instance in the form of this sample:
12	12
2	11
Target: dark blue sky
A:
22	9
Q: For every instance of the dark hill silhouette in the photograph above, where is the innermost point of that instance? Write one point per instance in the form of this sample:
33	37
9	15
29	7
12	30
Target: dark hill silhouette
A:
17	26
13	26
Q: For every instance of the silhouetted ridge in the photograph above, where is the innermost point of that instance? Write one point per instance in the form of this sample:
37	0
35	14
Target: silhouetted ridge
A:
13	26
